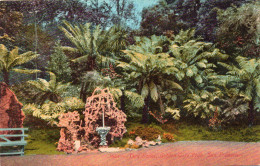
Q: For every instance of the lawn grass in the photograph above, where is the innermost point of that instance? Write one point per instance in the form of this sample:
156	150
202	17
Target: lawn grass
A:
238	134
44	141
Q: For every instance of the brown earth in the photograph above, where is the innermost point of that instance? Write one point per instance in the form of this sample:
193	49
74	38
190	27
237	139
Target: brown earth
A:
197	153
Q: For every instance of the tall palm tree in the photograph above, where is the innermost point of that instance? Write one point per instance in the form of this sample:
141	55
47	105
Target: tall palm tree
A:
246	77
149	69
10	60
51	90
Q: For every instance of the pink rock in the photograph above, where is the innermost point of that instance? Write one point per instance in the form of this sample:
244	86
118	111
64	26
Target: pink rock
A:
146	144
130	142
138	141
69	133
11	112
102	101
72	129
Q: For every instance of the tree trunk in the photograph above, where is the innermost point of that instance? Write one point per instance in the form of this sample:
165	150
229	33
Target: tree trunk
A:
251	116
83	93
161	104
145	116
6	77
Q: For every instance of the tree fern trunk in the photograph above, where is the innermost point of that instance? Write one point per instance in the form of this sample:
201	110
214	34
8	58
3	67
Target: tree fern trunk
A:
251	113
6	77
83	93
145	116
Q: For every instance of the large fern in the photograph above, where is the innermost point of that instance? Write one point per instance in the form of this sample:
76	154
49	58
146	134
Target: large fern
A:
246	77
48	90
51	111
9	60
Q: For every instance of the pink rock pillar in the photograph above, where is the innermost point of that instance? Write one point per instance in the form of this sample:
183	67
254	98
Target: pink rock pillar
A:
11	114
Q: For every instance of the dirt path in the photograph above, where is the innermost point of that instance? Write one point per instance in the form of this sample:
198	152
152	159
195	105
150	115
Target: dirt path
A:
208	153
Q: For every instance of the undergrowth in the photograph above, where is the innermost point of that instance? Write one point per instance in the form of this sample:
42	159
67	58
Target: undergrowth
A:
44	141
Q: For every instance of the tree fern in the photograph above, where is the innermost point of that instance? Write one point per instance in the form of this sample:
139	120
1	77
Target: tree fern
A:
11	59
48	90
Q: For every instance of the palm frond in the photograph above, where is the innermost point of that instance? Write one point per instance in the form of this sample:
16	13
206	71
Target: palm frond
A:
26	71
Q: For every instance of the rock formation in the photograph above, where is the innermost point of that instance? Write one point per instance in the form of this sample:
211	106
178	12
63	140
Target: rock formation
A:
74	130
69	133
11	112
102	101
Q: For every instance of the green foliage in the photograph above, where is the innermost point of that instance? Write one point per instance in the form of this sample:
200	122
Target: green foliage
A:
94	79
201	104
51	90
93	44
11	59
175	112
10	22
50	111
238	32
193	58
59	64
244	76
234	106
148	67
24	92
159	18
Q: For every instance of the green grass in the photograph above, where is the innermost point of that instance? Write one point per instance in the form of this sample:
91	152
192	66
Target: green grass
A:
239	134
44	141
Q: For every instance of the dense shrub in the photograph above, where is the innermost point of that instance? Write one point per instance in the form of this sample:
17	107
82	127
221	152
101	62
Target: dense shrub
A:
146	133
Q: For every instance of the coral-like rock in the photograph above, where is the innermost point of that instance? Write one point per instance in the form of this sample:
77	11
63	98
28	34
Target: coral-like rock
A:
11	112
72	129
101	102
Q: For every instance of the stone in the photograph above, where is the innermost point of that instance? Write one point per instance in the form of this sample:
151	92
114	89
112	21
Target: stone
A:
138	141
159	138
11	112
152	143
77	145
130	142
69	133
110	150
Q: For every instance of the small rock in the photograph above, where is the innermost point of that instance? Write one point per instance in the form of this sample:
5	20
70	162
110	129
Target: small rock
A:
152	143
159	142
130	142
138	141
159	138
110	150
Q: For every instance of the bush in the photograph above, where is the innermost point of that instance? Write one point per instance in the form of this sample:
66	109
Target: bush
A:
146	133
168	136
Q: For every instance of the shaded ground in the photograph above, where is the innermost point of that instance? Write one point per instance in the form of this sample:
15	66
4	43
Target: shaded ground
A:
180	153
